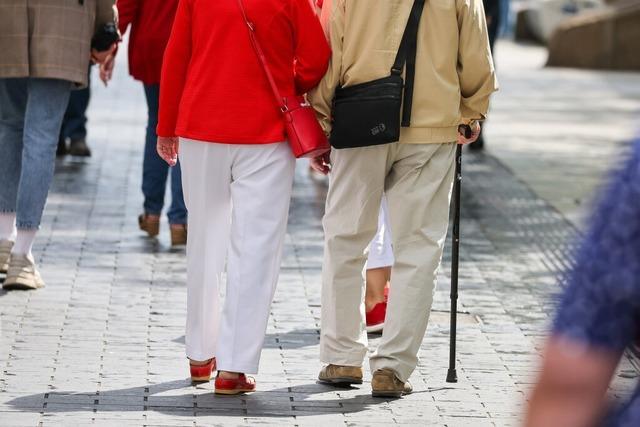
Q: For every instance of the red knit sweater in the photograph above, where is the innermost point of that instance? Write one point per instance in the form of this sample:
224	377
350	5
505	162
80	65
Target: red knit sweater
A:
150	22
213	87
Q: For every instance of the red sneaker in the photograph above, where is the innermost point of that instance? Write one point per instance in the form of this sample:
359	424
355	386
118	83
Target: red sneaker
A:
375	317
242	384
202	373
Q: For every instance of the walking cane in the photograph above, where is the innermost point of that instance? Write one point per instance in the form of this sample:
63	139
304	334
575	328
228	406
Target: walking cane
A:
452	376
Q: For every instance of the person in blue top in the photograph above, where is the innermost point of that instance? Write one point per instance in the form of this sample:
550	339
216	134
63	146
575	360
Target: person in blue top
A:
598	316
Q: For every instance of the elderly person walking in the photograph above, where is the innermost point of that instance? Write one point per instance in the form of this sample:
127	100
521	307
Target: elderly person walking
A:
218	112
46	48
150	22
454	77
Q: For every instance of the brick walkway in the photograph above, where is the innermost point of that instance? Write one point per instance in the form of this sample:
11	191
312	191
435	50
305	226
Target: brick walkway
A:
103	343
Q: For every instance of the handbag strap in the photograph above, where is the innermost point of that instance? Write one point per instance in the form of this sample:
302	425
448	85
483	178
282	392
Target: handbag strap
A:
262	58
407	55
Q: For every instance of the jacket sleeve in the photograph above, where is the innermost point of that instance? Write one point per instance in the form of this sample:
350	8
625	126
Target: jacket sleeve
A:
476	71
127	11
106	12
311	48
322	96
174	69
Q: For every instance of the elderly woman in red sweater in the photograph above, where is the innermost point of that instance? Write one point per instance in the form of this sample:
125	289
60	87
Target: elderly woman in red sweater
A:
218	113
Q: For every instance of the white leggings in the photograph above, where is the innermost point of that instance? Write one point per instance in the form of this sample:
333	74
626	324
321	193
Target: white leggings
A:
238	202
380	249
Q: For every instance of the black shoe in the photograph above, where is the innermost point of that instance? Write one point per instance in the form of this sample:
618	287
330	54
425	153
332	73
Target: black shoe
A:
478	145
62	148
635	349
79	147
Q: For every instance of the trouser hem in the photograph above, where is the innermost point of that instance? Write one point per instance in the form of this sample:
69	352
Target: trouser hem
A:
27	226
77	137
342	360
199	356
379	264
177	220
403	371
149	212
243	369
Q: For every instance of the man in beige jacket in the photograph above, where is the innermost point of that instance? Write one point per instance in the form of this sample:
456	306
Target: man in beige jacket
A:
454	80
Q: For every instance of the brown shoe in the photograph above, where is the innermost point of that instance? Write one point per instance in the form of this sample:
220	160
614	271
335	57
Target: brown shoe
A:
5	253
150	224
178	234
340	375
385	383
22	274
79	147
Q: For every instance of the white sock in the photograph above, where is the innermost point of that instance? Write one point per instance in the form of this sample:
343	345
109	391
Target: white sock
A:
8	226
24	242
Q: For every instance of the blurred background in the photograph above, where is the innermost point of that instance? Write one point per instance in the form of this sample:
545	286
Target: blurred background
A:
569	72
567	110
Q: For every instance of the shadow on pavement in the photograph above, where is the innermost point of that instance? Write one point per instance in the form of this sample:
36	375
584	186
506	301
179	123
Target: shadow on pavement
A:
297	400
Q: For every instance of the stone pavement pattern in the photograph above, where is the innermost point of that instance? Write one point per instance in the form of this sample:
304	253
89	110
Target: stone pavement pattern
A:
560	130
103	343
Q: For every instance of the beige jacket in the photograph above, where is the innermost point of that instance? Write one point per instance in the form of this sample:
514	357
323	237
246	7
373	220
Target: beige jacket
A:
455	75
50	38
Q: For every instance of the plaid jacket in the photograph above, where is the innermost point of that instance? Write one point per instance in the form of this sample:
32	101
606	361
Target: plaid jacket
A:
50	38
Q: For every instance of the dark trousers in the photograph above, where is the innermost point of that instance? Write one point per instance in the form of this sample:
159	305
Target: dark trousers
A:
155	171
494	18
74	124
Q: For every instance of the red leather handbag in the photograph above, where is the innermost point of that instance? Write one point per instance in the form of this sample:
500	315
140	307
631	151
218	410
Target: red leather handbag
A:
306	137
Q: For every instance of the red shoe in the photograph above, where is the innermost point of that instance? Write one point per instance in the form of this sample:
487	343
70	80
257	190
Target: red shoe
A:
202	373
242	384
375	317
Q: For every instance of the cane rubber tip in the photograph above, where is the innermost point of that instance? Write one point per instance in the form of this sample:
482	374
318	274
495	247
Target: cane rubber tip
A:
452	376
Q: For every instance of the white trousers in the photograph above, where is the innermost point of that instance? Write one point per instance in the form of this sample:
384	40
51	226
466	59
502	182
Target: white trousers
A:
380	249
238	201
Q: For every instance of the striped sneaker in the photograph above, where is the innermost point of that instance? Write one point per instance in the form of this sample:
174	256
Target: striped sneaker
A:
5	253
22	274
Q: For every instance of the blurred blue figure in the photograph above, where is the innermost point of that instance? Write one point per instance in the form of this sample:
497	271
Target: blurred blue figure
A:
598	316
506	26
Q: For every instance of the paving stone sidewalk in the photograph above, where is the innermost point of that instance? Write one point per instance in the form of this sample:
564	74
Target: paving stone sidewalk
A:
103	343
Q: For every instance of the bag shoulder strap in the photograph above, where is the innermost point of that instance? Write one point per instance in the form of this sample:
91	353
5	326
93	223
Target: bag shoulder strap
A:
262	58
407	55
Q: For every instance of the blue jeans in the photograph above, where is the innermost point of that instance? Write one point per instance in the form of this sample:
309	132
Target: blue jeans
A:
155	170
31	111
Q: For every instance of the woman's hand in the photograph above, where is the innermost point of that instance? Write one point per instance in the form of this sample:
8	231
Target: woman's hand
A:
321	164
106	69
167	148
101	57
475	133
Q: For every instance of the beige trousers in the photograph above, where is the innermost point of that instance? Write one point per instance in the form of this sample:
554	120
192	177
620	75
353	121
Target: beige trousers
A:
417	179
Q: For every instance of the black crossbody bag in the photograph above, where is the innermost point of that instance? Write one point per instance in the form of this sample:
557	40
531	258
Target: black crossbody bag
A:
369	113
